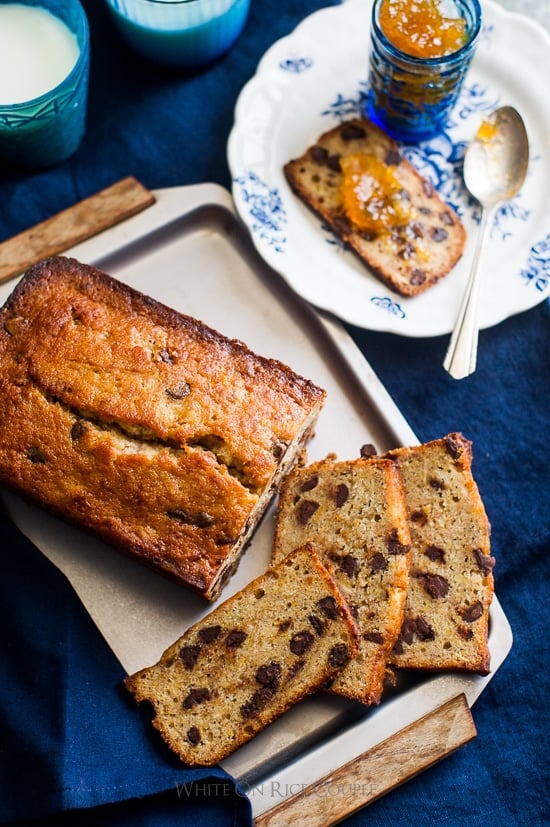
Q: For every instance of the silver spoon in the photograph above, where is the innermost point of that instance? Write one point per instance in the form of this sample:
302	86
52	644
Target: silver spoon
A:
495	165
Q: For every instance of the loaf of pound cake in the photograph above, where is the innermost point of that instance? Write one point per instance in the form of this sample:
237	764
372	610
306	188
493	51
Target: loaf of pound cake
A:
354	513
142	425
451	582
355	178
254	656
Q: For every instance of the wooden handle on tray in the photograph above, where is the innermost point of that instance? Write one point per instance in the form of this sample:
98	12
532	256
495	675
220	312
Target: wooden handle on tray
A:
377	771
75	224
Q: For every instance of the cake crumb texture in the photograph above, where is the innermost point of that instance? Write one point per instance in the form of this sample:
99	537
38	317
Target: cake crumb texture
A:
253	657
354	512
451	585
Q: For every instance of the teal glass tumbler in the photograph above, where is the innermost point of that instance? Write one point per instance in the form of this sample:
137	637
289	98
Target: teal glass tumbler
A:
46	130
411	97
184	34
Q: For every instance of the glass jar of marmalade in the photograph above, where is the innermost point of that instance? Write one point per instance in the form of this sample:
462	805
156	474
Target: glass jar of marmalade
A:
420	52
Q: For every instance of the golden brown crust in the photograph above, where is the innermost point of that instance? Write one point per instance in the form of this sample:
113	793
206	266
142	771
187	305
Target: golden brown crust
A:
451	584
141	424
254	656
412	257
354	513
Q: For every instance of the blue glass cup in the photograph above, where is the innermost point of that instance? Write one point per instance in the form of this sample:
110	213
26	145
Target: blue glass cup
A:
47	129
184	34
412	97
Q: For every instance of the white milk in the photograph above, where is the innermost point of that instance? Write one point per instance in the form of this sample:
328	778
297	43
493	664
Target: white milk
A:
37	51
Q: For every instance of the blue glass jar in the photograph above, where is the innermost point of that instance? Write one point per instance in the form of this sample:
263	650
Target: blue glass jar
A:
411	97
47	129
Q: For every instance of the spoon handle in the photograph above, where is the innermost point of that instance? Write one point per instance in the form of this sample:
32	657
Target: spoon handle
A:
460	359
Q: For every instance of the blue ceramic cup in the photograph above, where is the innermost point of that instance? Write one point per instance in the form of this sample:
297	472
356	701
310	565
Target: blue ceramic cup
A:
45	129
409	96
185	34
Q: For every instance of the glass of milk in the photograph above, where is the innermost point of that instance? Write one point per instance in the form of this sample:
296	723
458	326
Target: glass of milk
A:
185	34
44	69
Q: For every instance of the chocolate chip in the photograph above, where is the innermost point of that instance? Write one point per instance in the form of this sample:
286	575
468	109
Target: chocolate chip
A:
269	674
285	625
471	613
378	562
258	700
407	251
428	188
438	234
419	516
392	157
194	736
374	637
465	634
306	510
341	494
484	561
189	654
414	626
367	450
333	163
318	154
418	276
394	545
408	628
352	131
417	228
342	225
329	607
224	540
310	484
437	485
78	430
434	553
196	696
435	585
398	647
235	638
423	630
338	655
317	624
201	519
349	565
447	218
179	391
453	447
36	455
278	449
300	642
209	633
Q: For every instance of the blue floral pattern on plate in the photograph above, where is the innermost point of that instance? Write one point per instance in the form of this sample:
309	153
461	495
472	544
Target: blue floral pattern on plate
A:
300	74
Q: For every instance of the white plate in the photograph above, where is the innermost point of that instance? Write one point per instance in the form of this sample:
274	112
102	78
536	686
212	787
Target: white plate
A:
310	80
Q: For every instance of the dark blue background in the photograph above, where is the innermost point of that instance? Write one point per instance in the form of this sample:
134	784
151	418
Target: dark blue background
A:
68	738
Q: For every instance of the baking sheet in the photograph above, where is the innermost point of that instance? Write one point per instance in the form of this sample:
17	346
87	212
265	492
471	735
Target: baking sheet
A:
191	252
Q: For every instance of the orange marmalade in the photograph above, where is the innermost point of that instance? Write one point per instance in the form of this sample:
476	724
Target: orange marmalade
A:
423	28
372	194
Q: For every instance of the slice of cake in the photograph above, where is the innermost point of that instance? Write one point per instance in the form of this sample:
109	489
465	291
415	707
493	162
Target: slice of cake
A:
355	515
278	640
450	583
142	425
355	178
